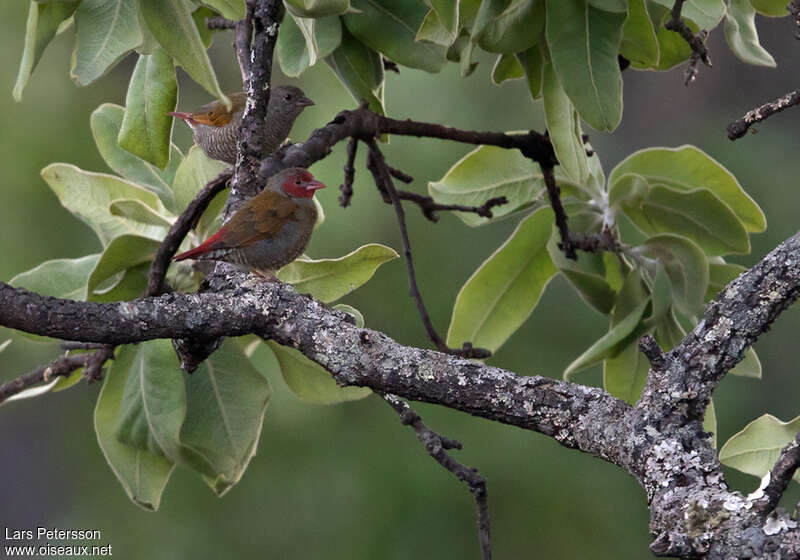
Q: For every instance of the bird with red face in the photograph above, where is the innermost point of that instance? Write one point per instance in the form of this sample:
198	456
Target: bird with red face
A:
271	230
216	128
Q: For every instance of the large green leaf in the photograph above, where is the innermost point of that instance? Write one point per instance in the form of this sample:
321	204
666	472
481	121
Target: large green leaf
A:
584	44
720	274
672	48
741	34
507	67
447	12
705	13
63	278
43	23
625	374
153	401
390	27
317	8
231	9
686	266
688	167
142	474
360	69
139	212
302	41
172	25
489	172
639	40
330	279
771	8
595	276
88	195
124	252
532	62
152	93
504	290
226	398
105	31
697	214
309	381
564	127
508	26
432	30
194	172
106	122
757	447
611	344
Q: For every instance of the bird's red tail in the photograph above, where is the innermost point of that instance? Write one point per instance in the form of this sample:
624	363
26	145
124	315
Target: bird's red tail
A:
207	246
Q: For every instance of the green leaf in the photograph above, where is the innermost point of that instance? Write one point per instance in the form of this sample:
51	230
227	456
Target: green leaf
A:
152	93
88	195
500	295
172	25
625	374
433	31
489	172
330	279
620	6
62	278
105	123
360	69
142	474
139	212
639	39
771	8
350	310
532	62
126	286
124	252
43	23
686	266
672	48
508	26
317	8
153	401
105	31
742	36
32	392
226	401
231	9
686	168
199	16
390	27
584	43
710	422
461	51
564	127
302	41
720	274
507	67
705	13
592	275
697	214
608	346
750	366
757	447
310	381
194	172
447	12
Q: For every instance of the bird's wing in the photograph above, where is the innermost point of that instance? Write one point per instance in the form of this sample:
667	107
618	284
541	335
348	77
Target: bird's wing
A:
262	217
215	114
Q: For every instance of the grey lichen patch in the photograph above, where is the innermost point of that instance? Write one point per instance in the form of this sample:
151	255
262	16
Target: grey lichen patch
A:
776	523
720	331
701	520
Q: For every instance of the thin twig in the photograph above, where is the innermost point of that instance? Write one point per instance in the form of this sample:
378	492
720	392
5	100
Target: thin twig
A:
186	221
346	188
73	345
60	367
739	128
218	23
401	176
780	476
430	208
377	166
437	446
696	42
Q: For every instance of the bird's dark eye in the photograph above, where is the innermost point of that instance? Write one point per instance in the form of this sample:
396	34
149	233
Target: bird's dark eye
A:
288	96
297	181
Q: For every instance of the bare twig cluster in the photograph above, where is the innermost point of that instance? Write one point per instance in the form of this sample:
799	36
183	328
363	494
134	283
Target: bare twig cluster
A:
696	42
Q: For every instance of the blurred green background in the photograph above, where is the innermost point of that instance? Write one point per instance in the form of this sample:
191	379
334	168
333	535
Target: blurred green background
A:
349	481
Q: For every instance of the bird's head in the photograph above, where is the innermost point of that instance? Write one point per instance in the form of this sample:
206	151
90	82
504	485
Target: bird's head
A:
287	102
295	182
